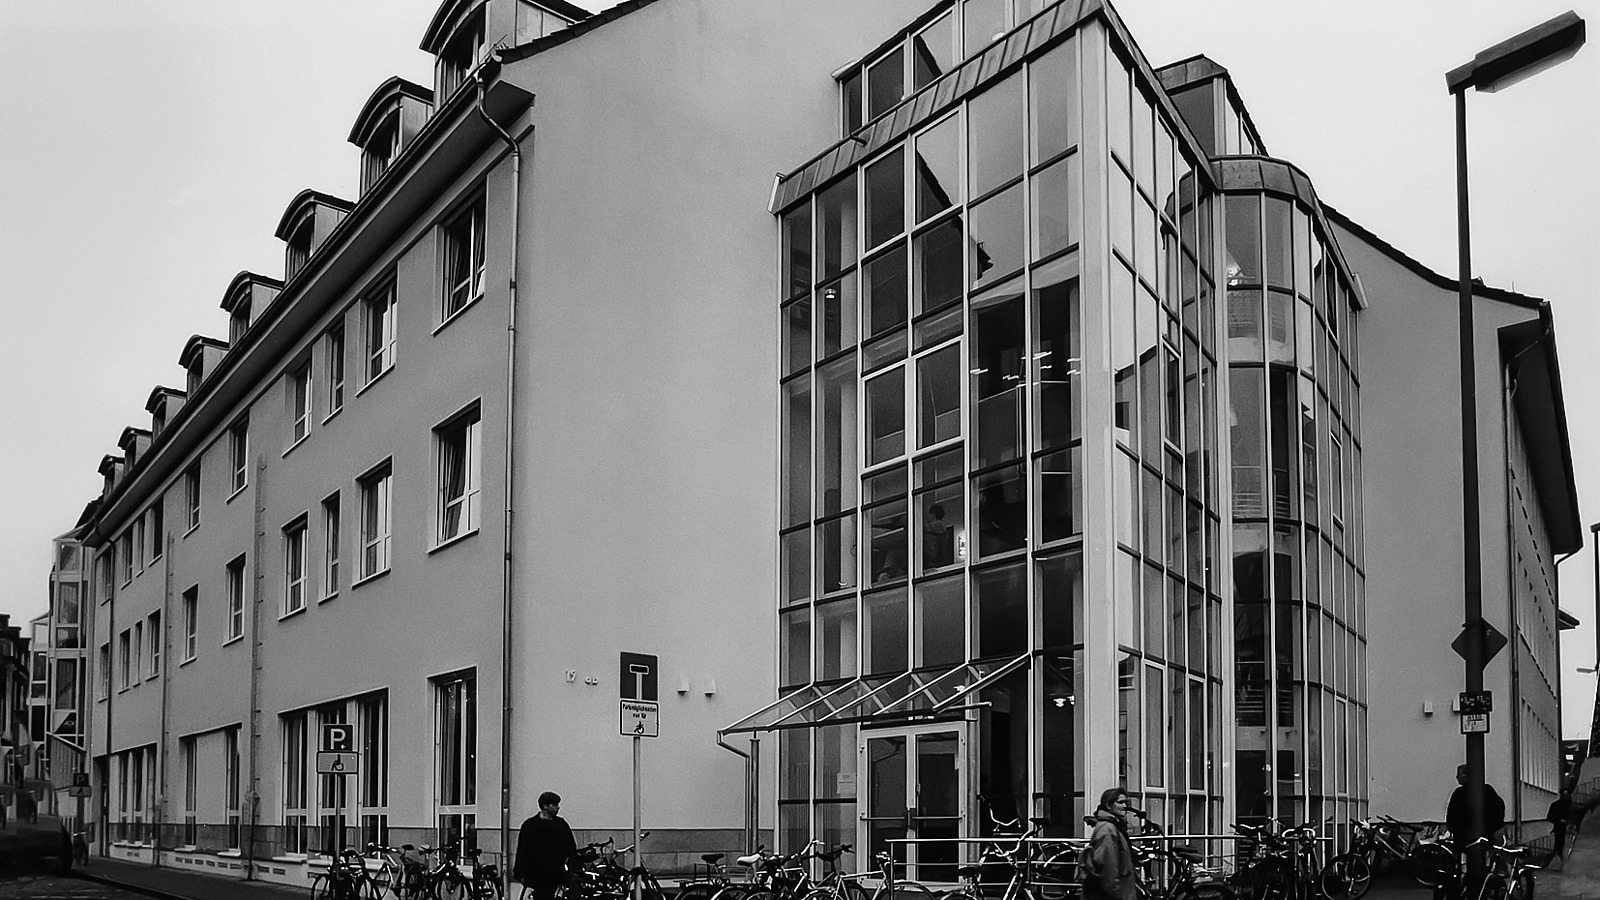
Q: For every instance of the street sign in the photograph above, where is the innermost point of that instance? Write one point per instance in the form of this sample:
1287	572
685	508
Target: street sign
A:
640	718
1475	723
338	763
80	779
338	738
1476	702
1490	638
637	679
79	790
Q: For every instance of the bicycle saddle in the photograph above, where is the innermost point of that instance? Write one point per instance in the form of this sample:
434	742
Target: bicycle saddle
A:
1190	853
752	859
711	859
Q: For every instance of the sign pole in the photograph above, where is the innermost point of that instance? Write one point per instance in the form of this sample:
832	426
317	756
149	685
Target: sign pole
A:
638	883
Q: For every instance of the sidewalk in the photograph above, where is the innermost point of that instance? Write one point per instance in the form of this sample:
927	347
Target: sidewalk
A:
170	884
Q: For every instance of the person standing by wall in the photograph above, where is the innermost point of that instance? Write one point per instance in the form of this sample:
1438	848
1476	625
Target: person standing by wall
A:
545	849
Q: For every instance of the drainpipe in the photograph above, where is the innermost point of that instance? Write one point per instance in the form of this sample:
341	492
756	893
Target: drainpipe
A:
506	596
752	822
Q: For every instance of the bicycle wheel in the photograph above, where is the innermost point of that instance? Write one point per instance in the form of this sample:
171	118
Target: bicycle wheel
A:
903	890
1521	887
696	892
452	887
1345	877
736	892
319	887
1435	864
1207	891
486	889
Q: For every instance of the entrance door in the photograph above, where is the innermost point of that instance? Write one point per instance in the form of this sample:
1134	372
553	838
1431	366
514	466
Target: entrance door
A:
916	789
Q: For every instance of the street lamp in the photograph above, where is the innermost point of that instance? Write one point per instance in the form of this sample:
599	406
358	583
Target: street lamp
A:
1502	65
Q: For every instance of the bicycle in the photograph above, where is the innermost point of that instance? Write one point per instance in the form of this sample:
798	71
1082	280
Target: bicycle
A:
455	884
1176	873
603	878
346	878
1047	871
709	877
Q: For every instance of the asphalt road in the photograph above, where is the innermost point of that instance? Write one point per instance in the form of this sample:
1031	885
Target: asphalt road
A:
55	887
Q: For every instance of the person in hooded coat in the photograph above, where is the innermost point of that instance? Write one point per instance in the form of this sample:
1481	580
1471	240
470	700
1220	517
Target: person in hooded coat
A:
1110	871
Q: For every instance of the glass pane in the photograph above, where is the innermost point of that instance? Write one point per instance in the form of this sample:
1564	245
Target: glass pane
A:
886	533
794	764
836	763
795	550
794	647
1243	264
836	240
836	557
886	198
885	285
1001	510
886	416
932	52
852	102
1000	610
998	374
836	437
982	22
1244	326
886	82
938	786
938	168
994	129
1060	598
942	527
1060	495
1056	354
939	258
886	777
941	623
796	452
797	252
836	329
1054	95
998	237
939	396
889	485
936	328
1117	117
1154	727
836	640
886	645
1279	244
1057	215
796	337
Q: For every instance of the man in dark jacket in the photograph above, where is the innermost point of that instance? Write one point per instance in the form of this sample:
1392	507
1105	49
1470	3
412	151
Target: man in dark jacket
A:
1457	816
1110	872
545	848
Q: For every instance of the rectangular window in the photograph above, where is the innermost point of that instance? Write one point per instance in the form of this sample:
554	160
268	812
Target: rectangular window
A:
137	663
294	566
294	783
239	455
380	347
66	693
103	686
122	659
300	401
374	725
463	258
235	600
330	546
154	631
456	757
460	446
332	790
191	790
137	545
125	552
335	370
375	520
230	781
191	495
106	568
191	600
157	530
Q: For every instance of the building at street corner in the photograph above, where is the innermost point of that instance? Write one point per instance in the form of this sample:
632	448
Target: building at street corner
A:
1006	446
59	673
1530	522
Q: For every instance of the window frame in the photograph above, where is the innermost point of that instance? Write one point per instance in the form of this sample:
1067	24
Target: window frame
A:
466	227
191	614
334	351
154	636
375	489
235	581
123	642
379	309
458	439
294	566
300	402
455	787
238	457
191	495
331	536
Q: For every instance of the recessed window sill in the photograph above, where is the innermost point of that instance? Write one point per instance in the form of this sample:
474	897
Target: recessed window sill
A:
233	640
325	599
234	853
192	529
457	314
368	578
329	417
292	613
452	541
187	661
237	491
374	380
186	848
152	676
298	441
291	858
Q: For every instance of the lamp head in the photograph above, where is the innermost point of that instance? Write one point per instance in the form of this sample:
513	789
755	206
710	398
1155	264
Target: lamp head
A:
1520	57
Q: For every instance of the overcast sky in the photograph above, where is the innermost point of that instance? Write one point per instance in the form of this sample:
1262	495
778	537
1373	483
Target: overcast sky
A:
147	150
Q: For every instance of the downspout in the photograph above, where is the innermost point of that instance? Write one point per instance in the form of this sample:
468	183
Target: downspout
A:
1508	389
508	480
751	800
163	808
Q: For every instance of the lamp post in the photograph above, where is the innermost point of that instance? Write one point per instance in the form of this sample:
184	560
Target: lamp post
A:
1502	65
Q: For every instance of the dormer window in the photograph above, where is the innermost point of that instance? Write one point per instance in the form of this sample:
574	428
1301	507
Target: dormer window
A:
382	148
299	245
239	319
158	421
191	381
459	56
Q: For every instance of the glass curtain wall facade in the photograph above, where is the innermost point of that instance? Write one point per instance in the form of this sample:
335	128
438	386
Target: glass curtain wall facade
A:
1298	578
985	323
